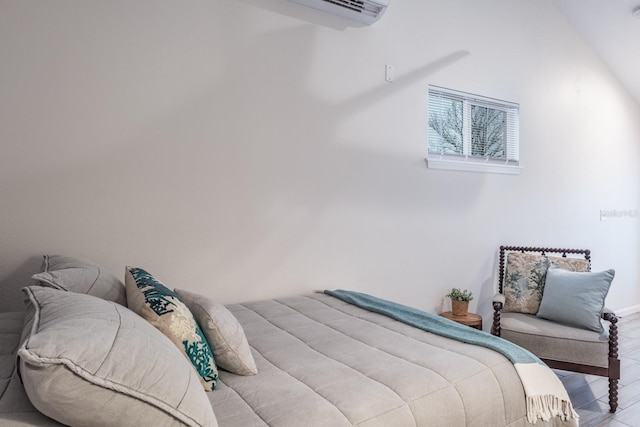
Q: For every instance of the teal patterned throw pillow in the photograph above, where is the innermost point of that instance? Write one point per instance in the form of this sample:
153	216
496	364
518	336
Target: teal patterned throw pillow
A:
165	310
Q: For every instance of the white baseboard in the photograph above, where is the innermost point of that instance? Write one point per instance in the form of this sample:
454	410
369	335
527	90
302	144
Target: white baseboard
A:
627	311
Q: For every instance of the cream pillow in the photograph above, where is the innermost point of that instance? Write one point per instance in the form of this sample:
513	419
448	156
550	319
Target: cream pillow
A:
224	333
163	309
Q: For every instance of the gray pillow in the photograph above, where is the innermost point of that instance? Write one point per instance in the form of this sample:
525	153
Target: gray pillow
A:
87	361
81	276
224	333
575	298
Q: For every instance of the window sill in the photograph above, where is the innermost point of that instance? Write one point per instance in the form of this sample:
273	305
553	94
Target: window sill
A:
471	166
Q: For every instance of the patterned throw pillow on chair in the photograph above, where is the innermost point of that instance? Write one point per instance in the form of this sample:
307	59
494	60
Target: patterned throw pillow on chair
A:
525	278
161	307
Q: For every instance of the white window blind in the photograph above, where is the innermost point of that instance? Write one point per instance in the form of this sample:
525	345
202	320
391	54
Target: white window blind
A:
472	133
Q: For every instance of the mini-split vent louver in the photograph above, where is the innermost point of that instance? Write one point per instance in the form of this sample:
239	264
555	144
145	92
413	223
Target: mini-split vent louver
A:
366	11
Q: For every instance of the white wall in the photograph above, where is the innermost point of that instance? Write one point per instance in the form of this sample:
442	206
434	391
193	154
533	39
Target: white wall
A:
250	149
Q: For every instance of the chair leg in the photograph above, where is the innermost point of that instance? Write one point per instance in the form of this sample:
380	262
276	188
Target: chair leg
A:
614	362
613	395
495	327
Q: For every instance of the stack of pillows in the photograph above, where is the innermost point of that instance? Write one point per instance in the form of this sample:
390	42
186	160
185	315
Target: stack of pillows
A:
99	352
556	288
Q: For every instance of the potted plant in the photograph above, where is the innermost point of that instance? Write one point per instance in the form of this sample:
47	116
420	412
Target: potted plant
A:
460	301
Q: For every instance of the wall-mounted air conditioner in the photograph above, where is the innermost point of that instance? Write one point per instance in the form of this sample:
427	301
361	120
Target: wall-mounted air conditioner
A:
366	11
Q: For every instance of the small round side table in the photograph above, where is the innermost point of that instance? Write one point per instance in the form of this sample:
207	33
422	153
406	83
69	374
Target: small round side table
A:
470	319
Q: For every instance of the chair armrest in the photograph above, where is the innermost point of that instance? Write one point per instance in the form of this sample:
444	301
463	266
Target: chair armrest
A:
609	315
498	303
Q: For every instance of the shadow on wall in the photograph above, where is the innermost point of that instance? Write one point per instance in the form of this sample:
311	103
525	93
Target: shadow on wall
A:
402	81
11	296
241	184
488	289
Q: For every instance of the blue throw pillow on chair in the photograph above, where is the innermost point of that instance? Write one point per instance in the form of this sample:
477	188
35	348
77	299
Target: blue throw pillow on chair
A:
575	298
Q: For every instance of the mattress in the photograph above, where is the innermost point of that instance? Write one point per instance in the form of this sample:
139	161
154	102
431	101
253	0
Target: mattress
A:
324	362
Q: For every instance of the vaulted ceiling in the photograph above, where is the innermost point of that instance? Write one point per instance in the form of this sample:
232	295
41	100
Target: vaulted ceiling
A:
613	31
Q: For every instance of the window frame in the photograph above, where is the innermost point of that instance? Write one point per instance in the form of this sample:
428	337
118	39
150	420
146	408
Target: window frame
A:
465	161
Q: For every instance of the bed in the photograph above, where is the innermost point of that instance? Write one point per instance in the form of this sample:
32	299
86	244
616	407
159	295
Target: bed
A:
320	361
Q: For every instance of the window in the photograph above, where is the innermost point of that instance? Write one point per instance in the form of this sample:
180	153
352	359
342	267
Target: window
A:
472	133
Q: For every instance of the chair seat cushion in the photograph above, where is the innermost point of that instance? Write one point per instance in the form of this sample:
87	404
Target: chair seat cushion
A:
550	340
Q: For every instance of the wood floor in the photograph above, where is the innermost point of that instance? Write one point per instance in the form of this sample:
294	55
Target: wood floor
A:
589	394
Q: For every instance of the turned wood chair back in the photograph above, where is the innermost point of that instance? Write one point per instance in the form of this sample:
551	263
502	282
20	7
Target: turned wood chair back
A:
504	250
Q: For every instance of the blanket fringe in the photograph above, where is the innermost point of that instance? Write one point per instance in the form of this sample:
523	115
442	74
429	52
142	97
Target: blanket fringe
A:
548	406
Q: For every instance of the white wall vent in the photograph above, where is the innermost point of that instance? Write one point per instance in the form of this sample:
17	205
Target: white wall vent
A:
366	11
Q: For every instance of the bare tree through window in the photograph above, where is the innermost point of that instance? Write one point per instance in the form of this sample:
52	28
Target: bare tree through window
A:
487	126
446	120
488	132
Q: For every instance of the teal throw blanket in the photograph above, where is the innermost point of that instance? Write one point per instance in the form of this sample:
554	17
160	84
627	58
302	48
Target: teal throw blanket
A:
545	395
436	324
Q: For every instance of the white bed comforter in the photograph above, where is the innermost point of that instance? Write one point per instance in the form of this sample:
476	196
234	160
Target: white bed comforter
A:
323	362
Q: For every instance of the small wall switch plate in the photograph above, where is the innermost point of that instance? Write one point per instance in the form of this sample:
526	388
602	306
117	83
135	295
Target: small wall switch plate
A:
388	73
